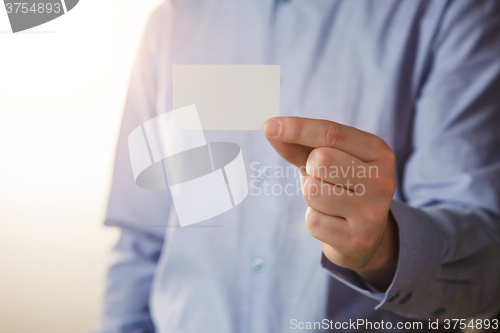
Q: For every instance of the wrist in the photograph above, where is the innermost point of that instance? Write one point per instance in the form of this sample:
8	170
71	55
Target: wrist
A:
381	268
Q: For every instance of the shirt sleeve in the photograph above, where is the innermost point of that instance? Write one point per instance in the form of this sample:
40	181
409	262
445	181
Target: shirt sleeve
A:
449	225
141	214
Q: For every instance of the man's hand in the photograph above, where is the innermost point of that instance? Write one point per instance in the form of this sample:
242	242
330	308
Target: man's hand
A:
347	178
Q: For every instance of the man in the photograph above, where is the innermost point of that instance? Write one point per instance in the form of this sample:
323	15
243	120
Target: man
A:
409	88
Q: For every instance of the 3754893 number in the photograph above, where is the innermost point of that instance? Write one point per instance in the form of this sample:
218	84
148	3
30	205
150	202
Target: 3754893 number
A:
36	8
473	324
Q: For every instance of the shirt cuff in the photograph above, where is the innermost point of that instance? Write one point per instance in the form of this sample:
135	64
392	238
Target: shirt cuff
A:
351	279
419	260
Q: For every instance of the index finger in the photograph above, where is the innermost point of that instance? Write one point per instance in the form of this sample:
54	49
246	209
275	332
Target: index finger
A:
318	133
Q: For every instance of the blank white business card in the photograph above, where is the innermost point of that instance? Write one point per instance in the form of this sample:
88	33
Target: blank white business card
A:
227	97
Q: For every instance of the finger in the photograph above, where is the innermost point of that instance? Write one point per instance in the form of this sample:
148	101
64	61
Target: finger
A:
328	229
292	153
337	167
323	133
331	199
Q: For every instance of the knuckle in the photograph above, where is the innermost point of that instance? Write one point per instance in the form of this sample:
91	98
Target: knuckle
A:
291	129
319	161
386	152
332	135
389	156
385	184
320	157
390	186
383	149
379	144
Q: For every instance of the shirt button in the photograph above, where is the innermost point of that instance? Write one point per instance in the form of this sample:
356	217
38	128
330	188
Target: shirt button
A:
406	299
258	265
265	172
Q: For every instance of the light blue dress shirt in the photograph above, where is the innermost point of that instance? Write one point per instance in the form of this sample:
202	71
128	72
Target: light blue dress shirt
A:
422	75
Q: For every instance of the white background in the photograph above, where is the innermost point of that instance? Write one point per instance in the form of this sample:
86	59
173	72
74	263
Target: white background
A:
62	88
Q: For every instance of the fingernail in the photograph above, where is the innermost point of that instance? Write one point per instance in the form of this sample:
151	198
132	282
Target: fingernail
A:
303	171
308	213
272	128
311	162
309	167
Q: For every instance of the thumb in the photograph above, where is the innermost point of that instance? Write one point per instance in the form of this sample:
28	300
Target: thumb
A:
293	153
